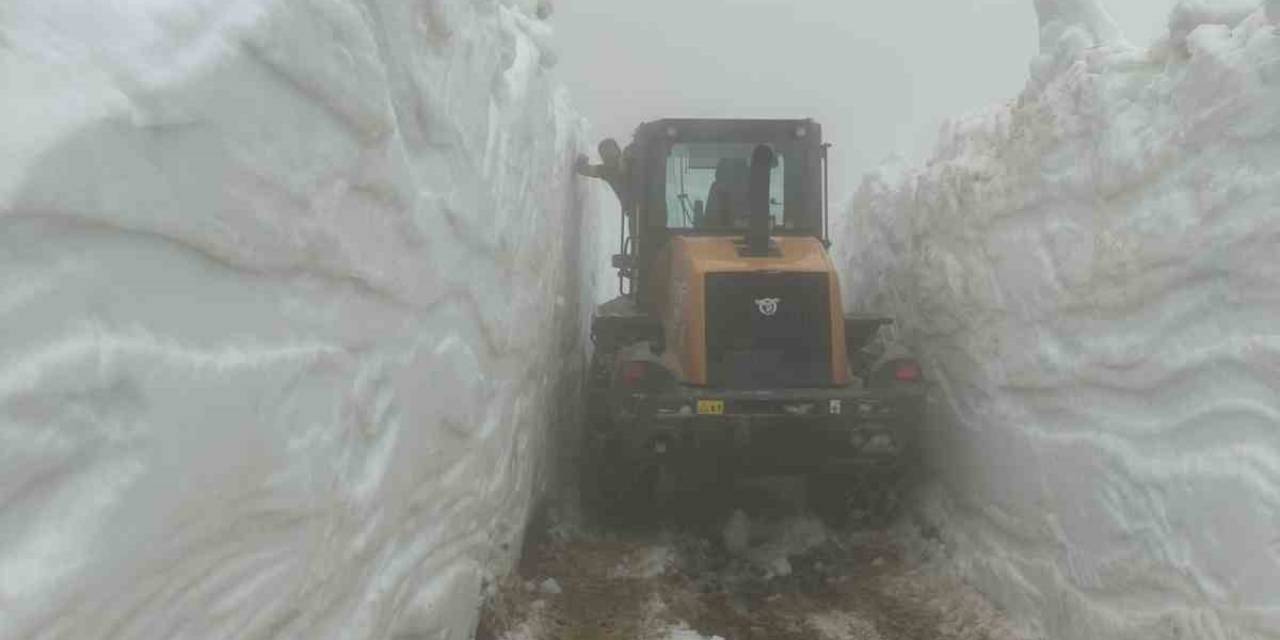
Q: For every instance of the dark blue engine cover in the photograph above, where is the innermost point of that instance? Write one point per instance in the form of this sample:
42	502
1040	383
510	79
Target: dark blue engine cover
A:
768	330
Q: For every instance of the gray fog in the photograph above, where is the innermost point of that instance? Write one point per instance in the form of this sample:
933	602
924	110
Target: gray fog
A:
880	76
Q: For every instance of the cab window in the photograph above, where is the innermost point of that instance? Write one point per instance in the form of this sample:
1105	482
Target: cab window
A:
706	186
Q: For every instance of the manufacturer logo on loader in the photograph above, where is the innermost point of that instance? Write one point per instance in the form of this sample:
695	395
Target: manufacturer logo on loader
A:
768	306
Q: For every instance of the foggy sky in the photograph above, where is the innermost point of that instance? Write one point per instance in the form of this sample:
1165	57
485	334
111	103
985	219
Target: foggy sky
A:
880	75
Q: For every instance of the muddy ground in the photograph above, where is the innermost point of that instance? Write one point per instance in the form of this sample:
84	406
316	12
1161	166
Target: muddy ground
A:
766	569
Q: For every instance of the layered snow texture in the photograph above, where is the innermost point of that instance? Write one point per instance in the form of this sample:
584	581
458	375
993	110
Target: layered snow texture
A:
290	302
1092	276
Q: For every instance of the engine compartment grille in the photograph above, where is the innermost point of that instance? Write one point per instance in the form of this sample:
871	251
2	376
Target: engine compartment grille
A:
768	330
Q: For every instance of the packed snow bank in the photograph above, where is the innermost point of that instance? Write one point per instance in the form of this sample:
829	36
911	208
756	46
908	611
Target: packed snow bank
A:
290	305
1091	275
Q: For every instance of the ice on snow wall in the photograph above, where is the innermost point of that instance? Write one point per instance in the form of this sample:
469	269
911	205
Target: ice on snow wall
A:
1092	276
288	309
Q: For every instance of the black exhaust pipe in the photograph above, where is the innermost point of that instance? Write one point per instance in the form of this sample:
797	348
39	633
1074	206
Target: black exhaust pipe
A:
758	201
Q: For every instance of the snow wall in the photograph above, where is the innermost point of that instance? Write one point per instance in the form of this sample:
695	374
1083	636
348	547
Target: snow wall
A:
290	307
1091	274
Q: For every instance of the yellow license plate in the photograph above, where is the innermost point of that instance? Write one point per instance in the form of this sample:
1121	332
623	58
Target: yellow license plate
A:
710	407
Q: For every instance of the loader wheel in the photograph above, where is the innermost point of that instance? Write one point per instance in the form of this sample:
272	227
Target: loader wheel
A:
600	485
613	492
599	481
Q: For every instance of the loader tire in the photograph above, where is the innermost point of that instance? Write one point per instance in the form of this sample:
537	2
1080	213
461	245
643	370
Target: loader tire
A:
614	493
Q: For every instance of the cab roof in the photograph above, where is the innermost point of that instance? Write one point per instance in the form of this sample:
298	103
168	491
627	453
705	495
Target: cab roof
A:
716	128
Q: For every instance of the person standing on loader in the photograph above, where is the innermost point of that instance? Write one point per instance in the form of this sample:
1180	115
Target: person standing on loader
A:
612	169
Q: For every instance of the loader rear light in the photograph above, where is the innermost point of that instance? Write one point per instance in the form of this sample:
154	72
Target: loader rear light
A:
634	373
907	371
643	375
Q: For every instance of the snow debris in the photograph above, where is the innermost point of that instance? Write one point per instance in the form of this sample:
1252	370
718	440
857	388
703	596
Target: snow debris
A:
550	586
1089	275
650	562
657	622
683	632
770	545
535	625
842	625
792	537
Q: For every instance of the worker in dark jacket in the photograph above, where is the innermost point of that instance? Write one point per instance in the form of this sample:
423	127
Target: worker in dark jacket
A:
727	199
613	168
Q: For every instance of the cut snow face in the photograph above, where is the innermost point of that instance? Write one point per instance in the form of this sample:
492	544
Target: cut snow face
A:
1188	15
290	296
1091	277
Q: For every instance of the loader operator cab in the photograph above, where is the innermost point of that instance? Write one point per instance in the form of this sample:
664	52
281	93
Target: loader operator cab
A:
693	178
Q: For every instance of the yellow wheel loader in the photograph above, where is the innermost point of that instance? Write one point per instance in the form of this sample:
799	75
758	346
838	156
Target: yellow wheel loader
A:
727	352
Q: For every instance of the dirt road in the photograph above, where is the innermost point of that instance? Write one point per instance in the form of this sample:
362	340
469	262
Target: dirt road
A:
768	571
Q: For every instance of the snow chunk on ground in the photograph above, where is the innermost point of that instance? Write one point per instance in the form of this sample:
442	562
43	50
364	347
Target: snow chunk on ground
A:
645	564
550	586
685	633
1090	275
279	283
770	545
842	625
792	537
